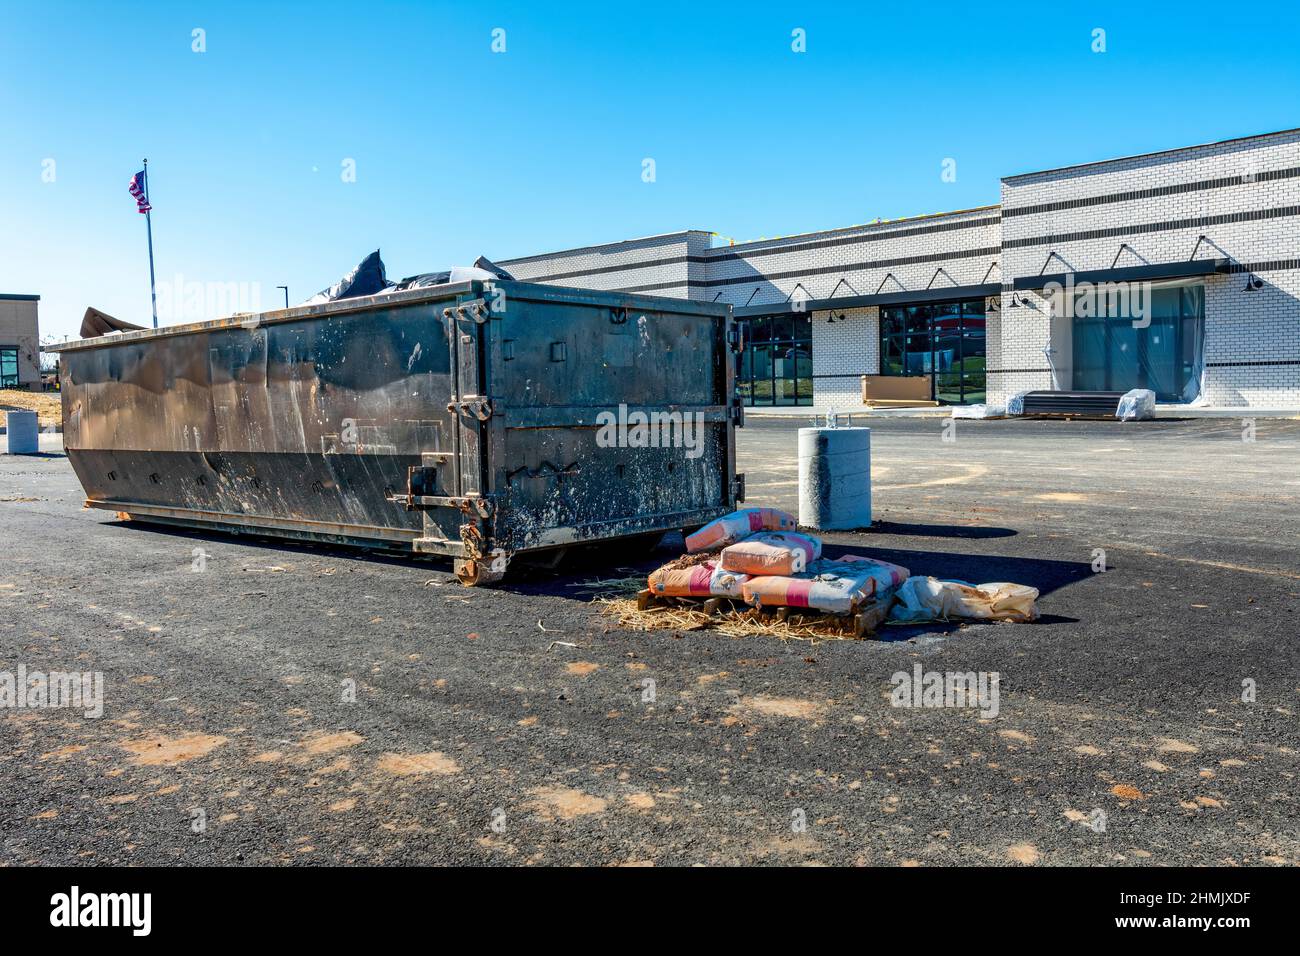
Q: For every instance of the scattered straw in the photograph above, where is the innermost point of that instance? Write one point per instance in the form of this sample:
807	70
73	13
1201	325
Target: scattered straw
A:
734	621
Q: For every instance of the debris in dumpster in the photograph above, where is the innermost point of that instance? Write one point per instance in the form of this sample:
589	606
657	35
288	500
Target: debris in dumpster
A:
370	278
696	576
923	599
96	323
838	586
366	279
772	552
732	527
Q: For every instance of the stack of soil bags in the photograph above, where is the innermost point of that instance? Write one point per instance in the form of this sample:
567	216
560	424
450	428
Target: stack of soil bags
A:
756	555
835	587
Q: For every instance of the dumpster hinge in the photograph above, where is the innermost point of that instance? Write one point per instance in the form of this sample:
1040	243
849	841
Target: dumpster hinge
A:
736	338
737	412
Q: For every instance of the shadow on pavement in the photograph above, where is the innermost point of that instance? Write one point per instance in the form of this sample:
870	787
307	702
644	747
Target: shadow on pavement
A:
972	532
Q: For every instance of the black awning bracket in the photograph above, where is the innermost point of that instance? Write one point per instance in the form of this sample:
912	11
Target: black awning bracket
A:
843	281
797	287
903	298
992	265
937	271
751	296
888	276
1120	251
1055	255
1187	268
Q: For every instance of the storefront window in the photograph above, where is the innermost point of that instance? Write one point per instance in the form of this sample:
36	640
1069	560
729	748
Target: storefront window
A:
1160	351
8	368
944	341
776	365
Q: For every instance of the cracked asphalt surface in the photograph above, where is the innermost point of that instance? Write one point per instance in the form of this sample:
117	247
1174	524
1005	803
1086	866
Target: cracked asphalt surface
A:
478	735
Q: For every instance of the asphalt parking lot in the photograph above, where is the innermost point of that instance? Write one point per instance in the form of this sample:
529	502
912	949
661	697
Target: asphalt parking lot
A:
511	725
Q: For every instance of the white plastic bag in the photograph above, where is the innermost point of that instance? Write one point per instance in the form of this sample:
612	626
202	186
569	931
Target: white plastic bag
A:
930	599
978	411
1016	404
1138	404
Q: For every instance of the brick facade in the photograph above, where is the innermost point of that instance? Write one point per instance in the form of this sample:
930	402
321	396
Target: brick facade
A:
1242	196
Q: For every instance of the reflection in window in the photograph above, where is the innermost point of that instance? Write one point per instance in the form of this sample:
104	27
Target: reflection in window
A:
944	341
776	365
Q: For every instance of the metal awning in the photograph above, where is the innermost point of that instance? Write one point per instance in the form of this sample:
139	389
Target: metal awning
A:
955	293
1164	270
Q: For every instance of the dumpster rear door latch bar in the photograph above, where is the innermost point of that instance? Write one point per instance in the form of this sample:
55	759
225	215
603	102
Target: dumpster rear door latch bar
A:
480	406
475	309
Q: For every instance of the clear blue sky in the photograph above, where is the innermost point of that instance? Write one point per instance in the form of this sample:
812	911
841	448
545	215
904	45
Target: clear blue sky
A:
461	152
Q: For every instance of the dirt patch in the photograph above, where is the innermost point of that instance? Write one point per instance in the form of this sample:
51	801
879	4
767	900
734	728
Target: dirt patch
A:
409	765
563	803
328	743
783	706
1170	746
640	801
582	668
168	751
1017	736
67	751
1062	496
1025	853
1126	792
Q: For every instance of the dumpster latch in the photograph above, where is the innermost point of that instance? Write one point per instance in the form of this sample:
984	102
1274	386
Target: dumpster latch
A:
736	338
738	487
479	406
475	309
737	412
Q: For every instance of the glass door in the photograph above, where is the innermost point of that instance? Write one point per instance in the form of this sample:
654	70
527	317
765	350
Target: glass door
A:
8	368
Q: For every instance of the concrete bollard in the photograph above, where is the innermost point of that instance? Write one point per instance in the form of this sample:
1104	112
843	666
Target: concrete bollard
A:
22	433
835	478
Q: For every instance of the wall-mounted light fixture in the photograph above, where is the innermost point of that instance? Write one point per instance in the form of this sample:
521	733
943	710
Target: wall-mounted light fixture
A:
1253	283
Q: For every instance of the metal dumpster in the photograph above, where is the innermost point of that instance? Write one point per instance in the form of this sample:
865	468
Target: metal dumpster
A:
475	420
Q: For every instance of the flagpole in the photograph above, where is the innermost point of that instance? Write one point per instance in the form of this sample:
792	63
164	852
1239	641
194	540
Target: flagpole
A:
148	222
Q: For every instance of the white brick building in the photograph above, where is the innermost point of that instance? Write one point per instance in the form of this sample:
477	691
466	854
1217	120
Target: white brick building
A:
1195	251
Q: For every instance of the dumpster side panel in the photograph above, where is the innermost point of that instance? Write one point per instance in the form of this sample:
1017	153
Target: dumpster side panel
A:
418	418
614	418
312	423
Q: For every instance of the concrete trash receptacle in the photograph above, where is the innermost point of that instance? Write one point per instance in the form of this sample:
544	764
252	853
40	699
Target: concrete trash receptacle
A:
22	433
835	478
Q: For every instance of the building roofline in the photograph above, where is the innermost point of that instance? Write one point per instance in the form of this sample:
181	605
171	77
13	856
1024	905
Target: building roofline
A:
1157	152
18	297
579	250
904	220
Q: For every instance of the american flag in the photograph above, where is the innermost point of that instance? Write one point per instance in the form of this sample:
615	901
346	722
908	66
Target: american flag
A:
137	193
